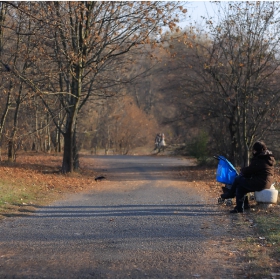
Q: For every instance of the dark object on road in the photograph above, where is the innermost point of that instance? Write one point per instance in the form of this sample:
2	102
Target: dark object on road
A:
99	178
7	68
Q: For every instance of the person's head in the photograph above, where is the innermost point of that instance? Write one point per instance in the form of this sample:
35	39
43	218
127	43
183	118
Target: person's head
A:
259	147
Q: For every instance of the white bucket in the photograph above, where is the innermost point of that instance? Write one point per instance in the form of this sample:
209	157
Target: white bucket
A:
267	195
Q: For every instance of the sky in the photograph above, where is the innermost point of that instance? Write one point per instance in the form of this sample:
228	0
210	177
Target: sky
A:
196	9
199	8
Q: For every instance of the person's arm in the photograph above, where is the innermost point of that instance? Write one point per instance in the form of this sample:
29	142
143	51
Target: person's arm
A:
250	170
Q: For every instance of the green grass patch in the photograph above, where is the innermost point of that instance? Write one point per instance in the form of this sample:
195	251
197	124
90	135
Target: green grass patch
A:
14	193
261	248
19	198
17	193
268	226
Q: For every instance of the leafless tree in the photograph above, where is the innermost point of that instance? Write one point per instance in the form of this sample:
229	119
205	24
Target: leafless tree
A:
233	79
77	44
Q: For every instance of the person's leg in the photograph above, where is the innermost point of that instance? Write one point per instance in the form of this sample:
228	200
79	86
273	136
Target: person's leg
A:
232	191
241	191
240	197
246	202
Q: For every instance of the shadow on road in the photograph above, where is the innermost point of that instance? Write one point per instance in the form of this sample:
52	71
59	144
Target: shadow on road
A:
78	211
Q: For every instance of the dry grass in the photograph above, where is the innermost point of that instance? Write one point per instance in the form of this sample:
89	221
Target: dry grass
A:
35	180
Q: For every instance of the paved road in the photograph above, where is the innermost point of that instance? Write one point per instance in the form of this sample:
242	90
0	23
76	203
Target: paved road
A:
143	224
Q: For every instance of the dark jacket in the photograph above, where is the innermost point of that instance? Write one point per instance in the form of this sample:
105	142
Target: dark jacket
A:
259	174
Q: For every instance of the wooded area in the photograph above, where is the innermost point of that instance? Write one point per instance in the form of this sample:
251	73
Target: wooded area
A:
110	75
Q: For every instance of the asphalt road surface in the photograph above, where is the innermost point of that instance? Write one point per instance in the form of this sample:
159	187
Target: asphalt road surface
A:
143	224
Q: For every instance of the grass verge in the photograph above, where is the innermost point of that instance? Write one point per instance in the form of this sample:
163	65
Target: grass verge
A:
264	249
34	181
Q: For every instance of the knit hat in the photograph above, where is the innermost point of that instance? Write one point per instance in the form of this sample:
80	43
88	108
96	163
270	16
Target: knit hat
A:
259	146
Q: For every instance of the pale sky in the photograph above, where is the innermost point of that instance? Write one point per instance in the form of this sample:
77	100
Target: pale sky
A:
199	8
196	9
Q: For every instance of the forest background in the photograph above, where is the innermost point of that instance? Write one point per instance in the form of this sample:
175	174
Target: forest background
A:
105	77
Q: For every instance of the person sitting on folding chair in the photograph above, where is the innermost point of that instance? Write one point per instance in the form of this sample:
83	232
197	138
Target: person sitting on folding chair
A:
255	177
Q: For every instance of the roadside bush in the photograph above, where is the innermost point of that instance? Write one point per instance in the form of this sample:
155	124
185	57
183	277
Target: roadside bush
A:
198	147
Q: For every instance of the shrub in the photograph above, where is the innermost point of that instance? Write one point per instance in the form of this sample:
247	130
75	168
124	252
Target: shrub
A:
198	147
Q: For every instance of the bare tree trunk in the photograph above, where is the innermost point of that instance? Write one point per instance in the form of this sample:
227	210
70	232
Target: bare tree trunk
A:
57	144
70	153
67	164
12	140
6	109
232	131
11	151
57	141
3	118
76	162
48	134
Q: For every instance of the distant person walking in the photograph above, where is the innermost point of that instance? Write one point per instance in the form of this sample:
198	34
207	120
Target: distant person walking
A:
157	141
160	142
